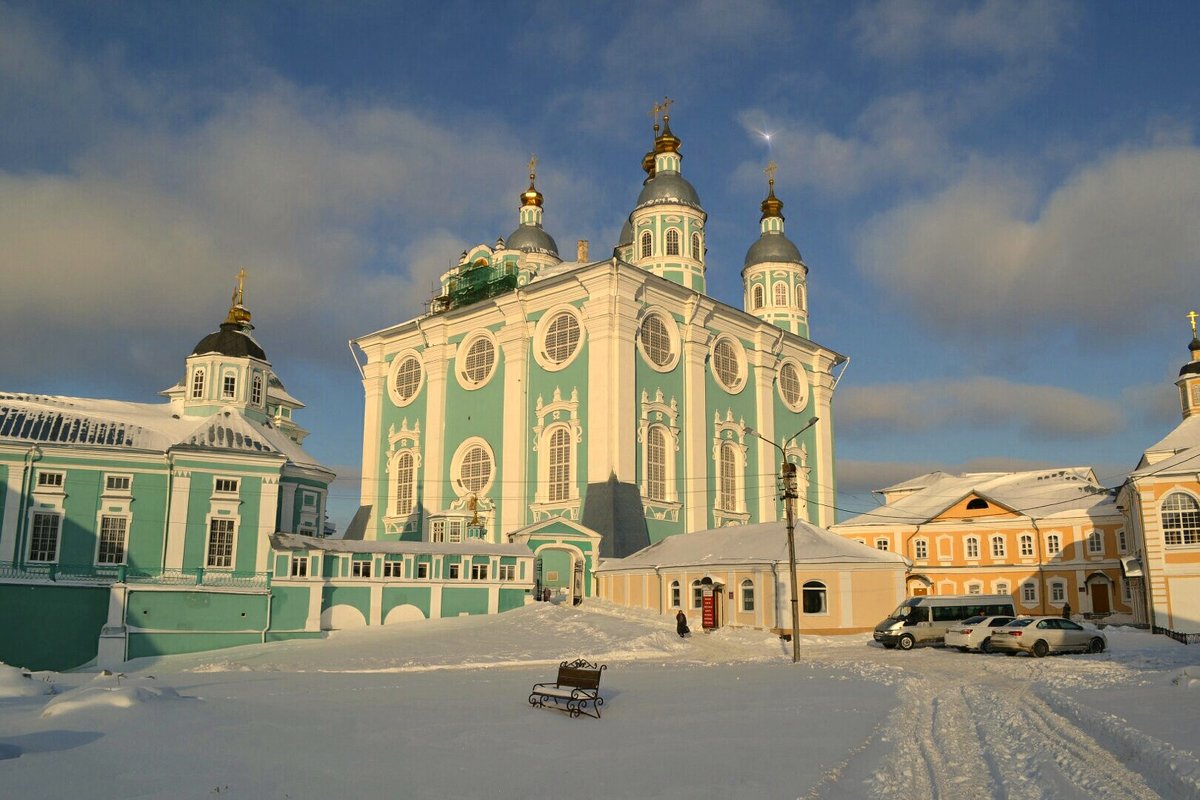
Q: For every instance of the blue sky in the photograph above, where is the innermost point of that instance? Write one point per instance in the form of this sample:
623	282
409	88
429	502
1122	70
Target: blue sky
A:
998	201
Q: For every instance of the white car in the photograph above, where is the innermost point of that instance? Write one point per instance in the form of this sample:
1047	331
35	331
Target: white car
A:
975	633
1044	635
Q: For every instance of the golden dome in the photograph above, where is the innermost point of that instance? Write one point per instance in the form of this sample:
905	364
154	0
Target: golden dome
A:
666	142
772	205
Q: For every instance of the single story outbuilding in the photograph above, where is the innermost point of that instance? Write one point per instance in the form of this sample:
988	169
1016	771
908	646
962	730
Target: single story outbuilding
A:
844	587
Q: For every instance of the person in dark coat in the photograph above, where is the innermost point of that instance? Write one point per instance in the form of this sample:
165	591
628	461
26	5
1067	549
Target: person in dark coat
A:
1066	610
681	626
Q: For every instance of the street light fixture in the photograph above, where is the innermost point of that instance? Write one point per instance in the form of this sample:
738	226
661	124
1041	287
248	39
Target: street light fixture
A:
789	494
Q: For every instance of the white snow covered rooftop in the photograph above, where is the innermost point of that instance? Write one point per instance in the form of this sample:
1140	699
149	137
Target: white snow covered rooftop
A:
1037	493
294	541
1182	445
751	544
46	419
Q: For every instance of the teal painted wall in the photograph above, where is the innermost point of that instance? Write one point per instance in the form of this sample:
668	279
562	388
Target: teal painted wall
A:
358	597
393	596
459	600
511	598
196	611
50	627
147	530
559	562
289	607
390	415
141	645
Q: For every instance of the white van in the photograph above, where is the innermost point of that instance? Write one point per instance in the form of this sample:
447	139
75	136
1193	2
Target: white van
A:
924	620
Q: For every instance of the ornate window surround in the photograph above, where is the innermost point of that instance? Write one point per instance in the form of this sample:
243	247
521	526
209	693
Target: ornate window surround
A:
672	327
728	431
739	356
801	377
658	413
558	414
394	367
539	338
401	441
460	356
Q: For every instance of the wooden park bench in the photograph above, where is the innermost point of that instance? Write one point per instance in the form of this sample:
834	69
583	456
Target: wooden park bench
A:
576	688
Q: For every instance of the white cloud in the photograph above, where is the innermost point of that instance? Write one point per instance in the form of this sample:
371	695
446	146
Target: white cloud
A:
1036	412
984	258
857	477
904	29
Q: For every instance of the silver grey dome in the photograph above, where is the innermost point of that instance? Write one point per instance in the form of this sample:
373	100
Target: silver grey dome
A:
668	187
772	247
626	234
532	239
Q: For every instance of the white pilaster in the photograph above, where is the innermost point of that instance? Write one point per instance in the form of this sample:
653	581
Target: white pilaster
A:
181	485
436	357
375	611
514	344
695	336
268	507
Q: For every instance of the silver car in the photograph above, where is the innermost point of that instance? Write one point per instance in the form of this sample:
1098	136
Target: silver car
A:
1044	635
975	633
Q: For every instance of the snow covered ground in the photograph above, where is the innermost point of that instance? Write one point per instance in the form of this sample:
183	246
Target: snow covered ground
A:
438	709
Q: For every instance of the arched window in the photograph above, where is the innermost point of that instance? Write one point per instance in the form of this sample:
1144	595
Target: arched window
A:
646	245
1181	519
972	547
675	594
727	480
780	294
256	390
1096	543
672	242
1058	592
697	594
656	463
1026	543
198	384
921	549
1028	594
757	294
747	595
813	598
405	496
697	253
998	550
881	544
977	504
229	386
560	465
1053	544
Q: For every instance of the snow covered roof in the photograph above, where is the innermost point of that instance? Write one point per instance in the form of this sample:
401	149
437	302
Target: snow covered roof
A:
1180	446
1040	493
752	544
85	421
1037	493
294	541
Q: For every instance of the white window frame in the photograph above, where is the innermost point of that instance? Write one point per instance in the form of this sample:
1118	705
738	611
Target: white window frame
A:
998	547
479	572
57	516
1001	587
298	567
541	335
974	587
646	244
506	572
673	344
779	295
676	595
674	243
1029	593
697	595
125	525
51	480
198	383
756	296
423	570
404	492
468	343
229	392
697	246
360	567
1025	545
971	546
882	544
801	402
225	486
118	477
209	524
456	467
1053	544
256	389
399	400
747	595
738	355
1095	542
437	530
921	549
819	589
454	571
1122	541
1187	532
393	569
1058	592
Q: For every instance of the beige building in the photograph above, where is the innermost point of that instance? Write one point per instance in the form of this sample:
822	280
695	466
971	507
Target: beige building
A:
1162	501
1047	537
844	587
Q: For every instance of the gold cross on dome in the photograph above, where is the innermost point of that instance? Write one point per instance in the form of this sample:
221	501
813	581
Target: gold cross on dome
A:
770	171
532	164
241	285
1192	318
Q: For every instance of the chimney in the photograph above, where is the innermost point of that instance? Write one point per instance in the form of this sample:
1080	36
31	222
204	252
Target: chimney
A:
581	252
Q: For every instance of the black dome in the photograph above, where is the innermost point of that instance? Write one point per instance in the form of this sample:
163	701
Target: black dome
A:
232	340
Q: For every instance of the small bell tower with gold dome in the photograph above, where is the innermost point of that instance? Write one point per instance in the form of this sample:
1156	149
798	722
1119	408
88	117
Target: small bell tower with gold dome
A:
774	276
665	232
1189	375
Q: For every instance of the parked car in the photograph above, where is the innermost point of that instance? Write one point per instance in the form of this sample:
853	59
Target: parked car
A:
1043	635
975	633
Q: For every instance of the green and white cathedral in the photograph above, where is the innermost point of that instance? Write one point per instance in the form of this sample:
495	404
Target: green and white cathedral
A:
611	397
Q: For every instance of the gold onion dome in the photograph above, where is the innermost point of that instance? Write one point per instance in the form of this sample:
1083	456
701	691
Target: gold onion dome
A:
772	206
531	196
648	164
666	142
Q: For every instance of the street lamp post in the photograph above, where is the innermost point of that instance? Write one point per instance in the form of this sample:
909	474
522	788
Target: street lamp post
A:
789	494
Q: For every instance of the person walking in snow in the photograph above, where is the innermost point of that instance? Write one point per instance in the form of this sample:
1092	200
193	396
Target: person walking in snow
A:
681	626
1066	610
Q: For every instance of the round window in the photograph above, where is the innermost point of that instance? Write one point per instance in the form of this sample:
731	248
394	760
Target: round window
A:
727	366
793	387
479	360
476	469
562	337
407	379
656	340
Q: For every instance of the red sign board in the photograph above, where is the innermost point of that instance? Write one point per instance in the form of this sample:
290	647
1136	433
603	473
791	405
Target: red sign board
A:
708	608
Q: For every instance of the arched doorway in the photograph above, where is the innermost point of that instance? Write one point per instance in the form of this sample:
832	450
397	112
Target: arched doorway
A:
918	586
1099	589
560	569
